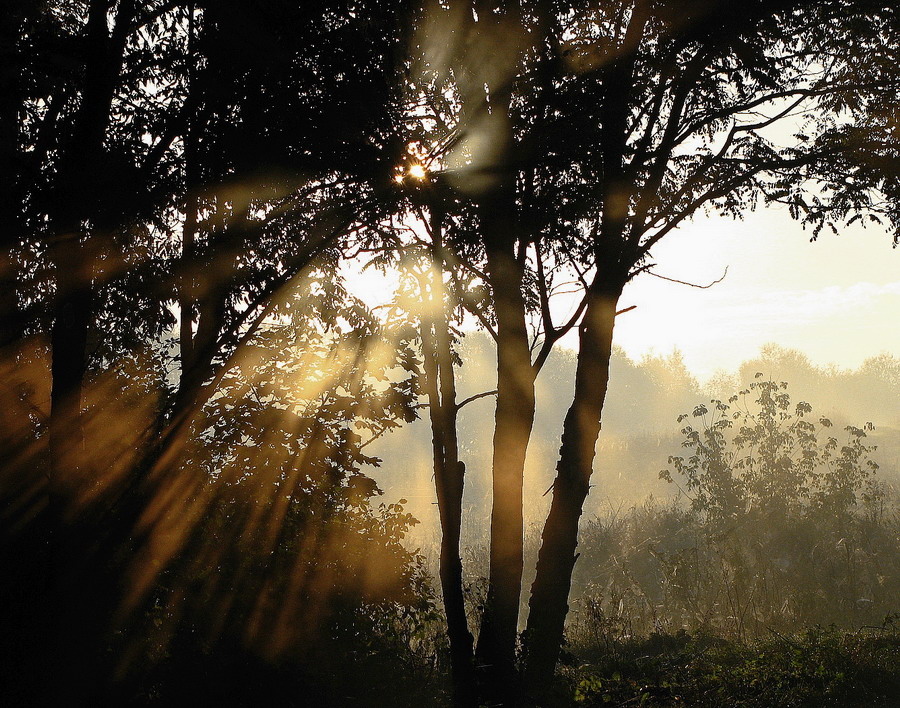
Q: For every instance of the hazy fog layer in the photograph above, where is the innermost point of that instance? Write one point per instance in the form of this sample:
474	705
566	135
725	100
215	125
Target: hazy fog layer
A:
640	426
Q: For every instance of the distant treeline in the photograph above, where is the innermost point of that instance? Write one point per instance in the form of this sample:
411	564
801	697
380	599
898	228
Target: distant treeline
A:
640	429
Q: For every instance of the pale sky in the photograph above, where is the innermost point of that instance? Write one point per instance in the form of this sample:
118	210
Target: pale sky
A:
836	299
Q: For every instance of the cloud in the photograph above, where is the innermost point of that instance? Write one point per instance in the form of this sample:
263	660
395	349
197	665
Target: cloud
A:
805	306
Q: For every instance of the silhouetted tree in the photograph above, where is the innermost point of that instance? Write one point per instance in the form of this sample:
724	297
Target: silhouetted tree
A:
127	112
620	123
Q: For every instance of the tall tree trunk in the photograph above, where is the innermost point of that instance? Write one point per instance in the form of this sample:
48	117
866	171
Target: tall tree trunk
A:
186	296
548	605
80	588
76	200
449	473
513	421
186	292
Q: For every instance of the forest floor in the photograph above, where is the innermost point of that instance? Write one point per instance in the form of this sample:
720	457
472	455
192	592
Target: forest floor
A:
818	668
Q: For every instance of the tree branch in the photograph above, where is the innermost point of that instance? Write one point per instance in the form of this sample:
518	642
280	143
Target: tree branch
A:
477	396
685	282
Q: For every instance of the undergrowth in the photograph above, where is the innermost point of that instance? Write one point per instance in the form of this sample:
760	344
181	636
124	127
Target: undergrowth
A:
818	667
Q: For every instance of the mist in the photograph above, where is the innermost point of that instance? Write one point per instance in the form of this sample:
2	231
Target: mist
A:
640	432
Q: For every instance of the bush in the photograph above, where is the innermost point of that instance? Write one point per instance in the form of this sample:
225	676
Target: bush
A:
785	527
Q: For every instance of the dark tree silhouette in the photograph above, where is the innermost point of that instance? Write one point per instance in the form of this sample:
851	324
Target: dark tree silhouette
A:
717	80
127	115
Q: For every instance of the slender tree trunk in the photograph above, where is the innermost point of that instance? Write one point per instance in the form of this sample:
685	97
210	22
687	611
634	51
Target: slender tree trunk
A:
80	587
548	605
513	421
68	341
449	474
189	231
76	200
185	292
10	208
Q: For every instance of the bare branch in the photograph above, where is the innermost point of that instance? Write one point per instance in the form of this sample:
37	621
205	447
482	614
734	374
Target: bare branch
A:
484	394
553	336
680	282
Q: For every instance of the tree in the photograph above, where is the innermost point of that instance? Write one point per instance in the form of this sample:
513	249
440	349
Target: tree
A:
761	457
496	248
787	506
681	126
126	113
629	119
274	472
426	304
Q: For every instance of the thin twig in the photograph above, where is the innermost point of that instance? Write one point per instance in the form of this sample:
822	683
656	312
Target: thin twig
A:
484	394
682	282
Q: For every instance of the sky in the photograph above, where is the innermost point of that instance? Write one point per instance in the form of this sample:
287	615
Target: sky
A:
836	299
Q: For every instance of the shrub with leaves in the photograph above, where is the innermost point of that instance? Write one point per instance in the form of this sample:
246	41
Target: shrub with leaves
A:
759	455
